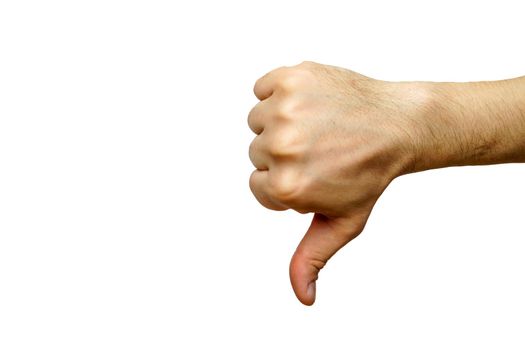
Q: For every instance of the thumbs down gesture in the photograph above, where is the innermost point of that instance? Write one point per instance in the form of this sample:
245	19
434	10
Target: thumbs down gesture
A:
329	141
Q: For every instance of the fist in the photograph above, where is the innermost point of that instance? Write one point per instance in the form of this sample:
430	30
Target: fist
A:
328	141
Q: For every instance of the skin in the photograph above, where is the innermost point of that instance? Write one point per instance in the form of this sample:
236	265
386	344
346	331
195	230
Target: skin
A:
329	141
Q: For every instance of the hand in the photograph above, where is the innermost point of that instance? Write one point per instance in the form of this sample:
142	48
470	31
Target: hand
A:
329	141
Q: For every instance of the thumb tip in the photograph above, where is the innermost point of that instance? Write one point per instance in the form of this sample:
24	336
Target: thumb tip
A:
307	295
303	278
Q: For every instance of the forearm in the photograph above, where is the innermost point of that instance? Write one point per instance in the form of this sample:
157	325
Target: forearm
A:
471	124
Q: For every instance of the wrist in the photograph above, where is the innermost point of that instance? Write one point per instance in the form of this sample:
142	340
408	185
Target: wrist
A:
444	127
469	124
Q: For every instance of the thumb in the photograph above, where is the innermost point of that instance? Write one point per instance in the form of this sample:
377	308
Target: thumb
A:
322	240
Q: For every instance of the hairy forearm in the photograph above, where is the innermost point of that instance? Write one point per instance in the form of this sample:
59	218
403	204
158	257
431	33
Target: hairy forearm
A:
471	124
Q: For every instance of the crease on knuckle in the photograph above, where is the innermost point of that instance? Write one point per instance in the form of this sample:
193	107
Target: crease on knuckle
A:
317	263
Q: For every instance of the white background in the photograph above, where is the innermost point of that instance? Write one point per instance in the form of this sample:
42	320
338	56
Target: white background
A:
126	220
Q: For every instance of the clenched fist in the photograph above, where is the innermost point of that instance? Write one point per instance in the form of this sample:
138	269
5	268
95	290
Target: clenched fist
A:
329	141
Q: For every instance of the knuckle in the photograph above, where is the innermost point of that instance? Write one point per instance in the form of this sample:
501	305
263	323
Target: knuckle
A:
306	64
285	145
284	187
318	263
278	149
290	80
296	78
261	196
316	259
307	69
289	108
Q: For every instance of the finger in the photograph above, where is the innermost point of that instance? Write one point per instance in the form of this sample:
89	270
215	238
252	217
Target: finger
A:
259	157
265	85
322	240
258	116
259	187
